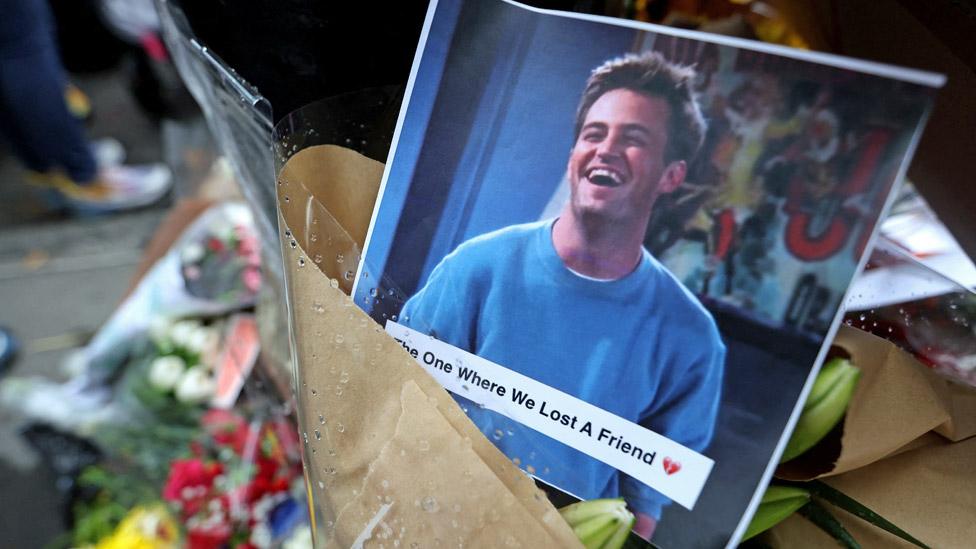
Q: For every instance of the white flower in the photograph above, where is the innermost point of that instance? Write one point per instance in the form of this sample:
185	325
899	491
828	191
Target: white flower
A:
192	253
182	331
301	538
201	339
195	386
159	329
166	371
261	536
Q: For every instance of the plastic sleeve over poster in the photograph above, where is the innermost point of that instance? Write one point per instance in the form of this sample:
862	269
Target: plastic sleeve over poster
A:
623	248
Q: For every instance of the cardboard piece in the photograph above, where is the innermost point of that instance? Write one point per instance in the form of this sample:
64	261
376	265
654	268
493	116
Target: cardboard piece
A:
389	456
929	492
897	403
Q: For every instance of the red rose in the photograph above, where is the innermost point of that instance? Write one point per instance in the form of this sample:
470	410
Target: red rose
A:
215	245
214	537
189	482
227	429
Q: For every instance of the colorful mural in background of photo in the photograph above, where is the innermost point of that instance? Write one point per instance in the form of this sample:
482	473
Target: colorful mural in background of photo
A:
773	216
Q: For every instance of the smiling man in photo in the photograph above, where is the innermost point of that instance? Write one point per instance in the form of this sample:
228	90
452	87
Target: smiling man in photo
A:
578	303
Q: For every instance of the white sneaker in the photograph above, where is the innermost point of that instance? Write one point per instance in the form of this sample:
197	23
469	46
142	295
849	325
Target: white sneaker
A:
115	189
108	151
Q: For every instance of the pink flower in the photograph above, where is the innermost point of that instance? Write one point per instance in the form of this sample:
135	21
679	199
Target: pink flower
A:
252	279
248	245
191	272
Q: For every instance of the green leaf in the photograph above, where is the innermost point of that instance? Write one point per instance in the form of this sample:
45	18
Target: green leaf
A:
817	514
771	513
849	504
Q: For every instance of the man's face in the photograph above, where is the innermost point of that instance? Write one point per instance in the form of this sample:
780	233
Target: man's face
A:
617	168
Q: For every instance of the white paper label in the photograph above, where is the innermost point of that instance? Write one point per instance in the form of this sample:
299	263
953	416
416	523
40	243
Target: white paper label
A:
670	468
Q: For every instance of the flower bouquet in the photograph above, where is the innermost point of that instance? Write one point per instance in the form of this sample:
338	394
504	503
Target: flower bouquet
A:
226	481
175	376
895	427
212	269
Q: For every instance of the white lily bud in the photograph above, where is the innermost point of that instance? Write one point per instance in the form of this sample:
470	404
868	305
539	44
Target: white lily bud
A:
195	386
166	371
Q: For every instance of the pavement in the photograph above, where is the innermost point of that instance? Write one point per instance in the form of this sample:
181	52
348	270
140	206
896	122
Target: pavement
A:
60	278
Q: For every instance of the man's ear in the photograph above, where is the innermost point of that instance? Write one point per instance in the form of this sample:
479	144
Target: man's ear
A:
673	176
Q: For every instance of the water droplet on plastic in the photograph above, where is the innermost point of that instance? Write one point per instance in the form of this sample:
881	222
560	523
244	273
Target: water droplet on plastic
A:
293	244
339	338
498	434
313	237
314	392
318	435
287	199
429	504
321	485
423	445
339	258
317	258
393	318
530	469
340	427
334	282
301	261
344	377
321	419
347	275
373	292
318	307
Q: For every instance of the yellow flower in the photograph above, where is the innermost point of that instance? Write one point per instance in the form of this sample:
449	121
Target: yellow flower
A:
144	528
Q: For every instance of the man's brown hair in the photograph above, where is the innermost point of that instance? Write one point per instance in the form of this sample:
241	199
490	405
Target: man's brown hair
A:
652	75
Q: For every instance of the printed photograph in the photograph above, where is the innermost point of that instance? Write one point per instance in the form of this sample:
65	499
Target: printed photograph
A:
660	225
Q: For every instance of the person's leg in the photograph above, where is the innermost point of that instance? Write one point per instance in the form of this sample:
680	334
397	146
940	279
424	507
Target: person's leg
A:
8	349
36	120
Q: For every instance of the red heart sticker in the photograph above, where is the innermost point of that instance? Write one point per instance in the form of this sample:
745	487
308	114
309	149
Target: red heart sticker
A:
671	466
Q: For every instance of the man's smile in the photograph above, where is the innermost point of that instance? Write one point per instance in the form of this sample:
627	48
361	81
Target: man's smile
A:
605	177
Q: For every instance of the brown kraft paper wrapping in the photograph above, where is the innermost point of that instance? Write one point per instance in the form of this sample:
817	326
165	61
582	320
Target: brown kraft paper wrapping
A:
391	459
896	407
929	492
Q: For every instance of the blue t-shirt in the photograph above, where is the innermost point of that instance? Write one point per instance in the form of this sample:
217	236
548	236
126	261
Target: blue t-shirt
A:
641	347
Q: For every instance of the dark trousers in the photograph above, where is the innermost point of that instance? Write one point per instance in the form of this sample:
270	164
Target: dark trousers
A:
34	117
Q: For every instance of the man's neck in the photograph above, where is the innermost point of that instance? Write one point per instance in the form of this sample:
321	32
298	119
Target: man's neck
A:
598	250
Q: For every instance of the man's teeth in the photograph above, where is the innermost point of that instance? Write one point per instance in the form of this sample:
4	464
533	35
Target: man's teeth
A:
601	176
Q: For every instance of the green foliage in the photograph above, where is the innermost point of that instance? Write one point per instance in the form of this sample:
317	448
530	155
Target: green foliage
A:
116	493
